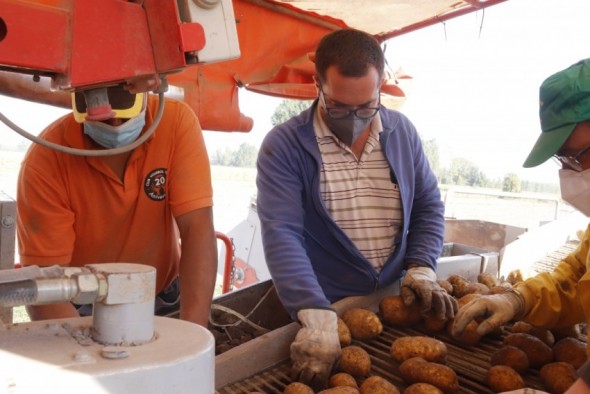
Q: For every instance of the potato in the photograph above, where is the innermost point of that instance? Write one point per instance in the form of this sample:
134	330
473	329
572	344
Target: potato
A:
445	285
355	361
502	378
488	279
428	348
378	385
298	388
344	333
393	311
536	350
418	370
566	332
511	356
570	350
422	388
434	324
459	284
557	377
541	333
474	288
469	336
362	323
343	379
340	390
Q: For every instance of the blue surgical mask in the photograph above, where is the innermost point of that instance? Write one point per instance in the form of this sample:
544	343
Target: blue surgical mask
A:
109	136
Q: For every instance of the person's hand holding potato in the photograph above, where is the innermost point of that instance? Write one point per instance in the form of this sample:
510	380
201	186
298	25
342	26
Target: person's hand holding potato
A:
420	284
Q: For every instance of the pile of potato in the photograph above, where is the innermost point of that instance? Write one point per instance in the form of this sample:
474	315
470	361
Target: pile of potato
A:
527	347
420	360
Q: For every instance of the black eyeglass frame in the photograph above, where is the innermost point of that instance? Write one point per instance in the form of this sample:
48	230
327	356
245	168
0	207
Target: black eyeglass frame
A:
572	161
342	112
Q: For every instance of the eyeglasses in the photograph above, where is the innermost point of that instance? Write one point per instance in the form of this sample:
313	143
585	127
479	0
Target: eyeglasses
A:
573	161
343	112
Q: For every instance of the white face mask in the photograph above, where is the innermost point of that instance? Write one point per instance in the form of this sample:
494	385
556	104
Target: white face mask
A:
575	189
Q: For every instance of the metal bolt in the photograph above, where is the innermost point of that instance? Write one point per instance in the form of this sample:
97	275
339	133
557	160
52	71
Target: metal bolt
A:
8	221
114	352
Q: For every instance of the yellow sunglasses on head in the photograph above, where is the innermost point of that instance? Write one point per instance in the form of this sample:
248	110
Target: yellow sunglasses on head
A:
125	105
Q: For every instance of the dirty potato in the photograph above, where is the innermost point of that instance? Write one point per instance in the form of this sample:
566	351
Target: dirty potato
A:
502	378
488	279
446	286
394	312
418	370
343	333
422	388
557	377
566	332
433	324
541	333
298	388
459	284
343	379
570	350
536	350
469	336
428	348
362	323
340	390
510	356
378	385
355	361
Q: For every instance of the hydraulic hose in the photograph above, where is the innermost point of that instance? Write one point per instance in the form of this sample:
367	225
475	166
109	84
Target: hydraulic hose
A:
38	291
23	292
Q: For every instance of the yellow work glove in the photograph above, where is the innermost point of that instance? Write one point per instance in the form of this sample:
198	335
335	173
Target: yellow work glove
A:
497	309
420	284
316	347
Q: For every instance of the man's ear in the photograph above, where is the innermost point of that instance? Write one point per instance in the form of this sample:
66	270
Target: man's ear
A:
316	80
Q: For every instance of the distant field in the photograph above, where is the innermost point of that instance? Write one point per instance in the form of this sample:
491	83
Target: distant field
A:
234	188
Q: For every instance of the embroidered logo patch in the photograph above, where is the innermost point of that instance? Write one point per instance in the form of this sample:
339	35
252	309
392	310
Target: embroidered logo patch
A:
155	184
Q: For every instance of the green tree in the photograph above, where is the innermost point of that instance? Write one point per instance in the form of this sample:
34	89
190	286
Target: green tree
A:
245	156
432	153
287	109
462	172
511	183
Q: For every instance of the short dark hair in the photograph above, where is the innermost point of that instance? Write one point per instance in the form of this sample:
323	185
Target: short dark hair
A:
351	51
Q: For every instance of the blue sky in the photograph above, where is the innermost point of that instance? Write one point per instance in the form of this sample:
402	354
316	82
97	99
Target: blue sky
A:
475	92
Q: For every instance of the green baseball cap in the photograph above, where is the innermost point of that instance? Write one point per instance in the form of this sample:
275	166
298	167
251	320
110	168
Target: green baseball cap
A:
564	101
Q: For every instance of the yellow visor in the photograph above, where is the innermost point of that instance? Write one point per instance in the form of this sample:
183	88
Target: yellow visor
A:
123	104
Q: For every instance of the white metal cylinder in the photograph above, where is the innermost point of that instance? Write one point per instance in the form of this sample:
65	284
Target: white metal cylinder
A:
123	324
125	315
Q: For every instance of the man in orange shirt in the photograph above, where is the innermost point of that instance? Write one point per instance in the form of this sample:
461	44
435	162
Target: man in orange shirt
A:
151	205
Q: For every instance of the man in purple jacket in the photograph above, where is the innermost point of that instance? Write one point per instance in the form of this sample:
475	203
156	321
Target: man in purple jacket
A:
347	202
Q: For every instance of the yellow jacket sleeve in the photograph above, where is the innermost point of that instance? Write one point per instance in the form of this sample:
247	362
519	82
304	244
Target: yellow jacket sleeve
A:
552	299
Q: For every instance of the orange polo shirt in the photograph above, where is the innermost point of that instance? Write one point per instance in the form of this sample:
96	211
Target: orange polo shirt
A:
74	210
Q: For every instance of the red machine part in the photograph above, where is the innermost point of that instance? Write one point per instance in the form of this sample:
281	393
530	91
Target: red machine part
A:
236	272
88	43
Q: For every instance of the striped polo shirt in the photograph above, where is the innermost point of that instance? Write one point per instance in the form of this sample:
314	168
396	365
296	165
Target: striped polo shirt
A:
359	194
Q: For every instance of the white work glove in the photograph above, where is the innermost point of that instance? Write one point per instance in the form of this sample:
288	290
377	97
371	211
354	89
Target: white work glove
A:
498	309
316	347
420	283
